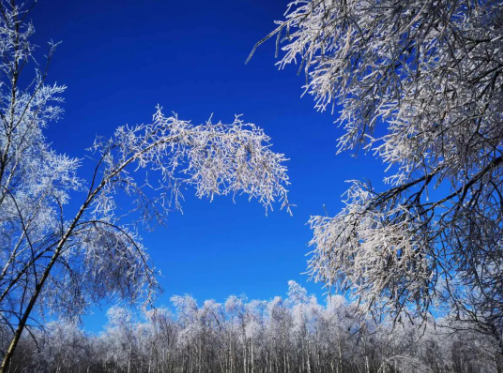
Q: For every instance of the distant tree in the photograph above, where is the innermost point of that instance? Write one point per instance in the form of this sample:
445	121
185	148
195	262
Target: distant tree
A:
64	263
420	85
64	346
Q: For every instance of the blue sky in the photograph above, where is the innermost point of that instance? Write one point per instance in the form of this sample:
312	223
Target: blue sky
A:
121	58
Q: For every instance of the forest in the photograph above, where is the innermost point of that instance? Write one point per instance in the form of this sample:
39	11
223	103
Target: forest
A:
410	267
292	334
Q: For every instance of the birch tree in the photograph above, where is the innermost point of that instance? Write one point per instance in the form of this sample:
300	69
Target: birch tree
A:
64	263
419	85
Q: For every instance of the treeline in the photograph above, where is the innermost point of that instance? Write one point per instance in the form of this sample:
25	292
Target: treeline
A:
292	335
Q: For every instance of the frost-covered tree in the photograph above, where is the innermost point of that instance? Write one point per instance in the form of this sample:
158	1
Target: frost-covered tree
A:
63	263
420	85
64	346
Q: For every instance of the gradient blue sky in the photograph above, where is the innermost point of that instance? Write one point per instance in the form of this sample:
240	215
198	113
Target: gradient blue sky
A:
121	58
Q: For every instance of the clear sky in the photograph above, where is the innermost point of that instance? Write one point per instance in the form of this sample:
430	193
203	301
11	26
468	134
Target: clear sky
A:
121	58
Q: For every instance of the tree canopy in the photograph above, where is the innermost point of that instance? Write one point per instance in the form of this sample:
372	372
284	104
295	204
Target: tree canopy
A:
419	84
